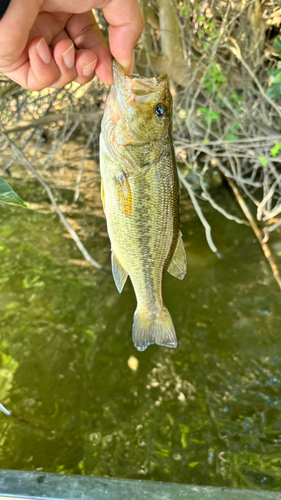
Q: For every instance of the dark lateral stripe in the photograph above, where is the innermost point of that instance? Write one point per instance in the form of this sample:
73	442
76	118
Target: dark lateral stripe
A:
3	7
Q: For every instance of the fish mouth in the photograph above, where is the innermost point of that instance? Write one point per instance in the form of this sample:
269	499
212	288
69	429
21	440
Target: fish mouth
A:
131	86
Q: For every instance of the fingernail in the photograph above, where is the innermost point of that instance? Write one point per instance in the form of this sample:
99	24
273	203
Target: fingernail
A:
69	57
88	69
128	65
44	51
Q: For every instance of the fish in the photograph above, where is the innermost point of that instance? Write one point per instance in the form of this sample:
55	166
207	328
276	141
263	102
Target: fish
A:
141	198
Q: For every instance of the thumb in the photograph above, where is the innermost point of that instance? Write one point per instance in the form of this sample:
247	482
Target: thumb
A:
15	26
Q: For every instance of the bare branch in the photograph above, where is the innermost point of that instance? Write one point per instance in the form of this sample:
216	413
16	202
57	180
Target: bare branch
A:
199	213
54	118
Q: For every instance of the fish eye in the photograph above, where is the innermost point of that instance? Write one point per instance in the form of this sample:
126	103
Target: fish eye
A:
161	110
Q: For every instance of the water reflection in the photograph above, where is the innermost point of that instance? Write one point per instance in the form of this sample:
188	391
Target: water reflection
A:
207	412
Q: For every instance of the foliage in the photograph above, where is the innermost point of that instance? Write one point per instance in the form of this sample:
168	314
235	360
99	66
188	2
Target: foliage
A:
209	115
275	150
215	80
263	161
8	195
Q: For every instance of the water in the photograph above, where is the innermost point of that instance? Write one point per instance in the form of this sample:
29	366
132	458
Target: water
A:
205	413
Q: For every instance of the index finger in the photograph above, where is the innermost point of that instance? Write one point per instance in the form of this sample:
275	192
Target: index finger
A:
126	25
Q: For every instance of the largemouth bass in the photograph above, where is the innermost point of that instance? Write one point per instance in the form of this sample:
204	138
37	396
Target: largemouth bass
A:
140	195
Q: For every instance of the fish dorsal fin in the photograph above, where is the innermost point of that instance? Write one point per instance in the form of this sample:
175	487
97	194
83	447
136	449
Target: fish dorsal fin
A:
124	193
177	265
119	273
102	196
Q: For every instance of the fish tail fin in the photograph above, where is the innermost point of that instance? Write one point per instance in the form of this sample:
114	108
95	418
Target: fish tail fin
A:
153	329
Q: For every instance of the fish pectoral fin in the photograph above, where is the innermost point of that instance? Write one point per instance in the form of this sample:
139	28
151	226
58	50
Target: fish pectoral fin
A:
177	265
119	273
125	199
102	196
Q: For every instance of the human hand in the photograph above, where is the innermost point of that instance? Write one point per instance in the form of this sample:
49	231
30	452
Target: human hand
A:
50	43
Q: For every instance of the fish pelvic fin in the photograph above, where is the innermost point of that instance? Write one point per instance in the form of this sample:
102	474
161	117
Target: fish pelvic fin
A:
153	329
119	273
177	267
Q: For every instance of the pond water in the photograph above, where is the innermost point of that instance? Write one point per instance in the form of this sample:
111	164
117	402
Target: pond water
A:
206	413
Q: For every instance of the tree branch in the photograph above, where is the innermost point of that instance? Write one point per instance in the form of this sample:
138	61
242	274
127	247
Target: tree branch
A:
55	117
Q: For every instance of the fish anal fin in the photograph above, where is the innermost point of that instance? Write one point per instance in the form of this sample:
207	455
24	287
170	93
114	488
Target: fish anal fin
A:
119	273
102	195
177	265
124	193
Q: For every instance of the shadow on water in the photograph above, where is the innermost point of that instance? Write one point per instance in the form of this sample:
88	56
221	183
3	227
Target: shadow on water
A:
206	413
